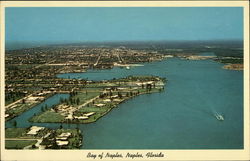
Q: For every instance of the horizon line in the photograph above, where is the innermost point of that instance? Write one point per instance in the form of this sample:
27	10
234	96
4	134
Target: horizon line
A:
104	41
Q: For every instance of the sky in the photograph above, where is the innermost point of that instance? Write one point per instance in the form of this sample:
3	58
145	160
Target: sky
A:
81	24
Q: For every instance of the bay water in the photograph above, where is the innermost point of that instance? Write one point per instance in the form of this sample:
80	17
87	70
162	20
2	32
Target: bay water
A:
180	117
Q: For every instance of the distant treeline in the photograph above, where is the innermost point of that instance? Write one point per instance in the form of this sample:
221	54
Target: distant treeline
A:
180	44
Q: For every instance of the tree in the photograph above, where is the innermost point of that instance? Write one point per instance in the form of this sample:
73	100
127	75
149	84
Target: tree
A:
77	101
119	95
149	87
61	100
42	109
71	100
15	123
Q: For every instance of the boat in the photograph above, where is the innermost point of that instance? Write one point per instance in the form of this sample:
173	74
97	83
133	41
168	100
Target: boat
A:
127	67
219	117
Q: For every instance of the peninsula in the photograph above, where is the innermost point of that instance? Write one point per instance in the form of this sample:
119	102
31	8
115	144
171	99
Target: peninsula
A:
98	98
32	78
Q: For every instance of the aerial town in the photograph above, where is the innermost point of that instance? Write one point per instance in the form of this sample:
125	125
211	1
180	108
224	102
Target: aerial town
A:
31	78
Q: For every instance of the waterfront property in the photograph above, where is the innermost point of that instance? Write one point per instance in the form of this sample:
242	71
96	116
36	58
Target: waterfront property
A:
87	106
42	138
42	96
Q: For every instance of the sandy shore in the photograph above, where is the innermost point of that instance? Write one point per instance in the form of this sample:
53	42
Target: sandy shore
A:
233	67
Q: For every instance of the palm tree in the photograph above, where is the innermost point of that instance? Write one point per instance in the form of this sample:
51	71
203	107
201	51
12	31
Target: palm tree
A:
15	123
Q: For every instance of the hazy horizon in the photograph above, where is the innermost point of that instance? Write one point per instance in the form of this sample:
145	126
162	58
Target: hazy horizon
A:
102	24
30	44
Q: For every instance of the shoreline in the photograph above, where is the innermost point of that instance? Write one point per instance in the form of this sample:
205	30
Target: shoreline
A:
102	115
237	67
84	106
32	106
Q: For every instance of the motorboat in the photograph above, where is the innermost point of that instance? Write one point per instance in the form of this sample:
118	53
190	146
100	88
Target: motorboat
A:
219	117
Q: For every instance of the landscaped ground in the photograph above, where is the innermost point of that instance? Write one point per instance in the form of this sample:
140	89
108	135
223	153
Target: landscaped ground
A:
48	116
22	105
19	144
15	132
21	138
86	106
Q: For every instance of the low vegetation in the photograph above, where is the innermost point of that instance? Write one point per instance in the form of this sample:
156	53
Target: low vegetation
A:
86	106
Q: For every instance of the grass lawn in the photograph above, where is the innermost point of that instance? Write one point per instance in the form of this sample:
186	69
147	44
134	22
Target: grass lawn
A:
20	108
95	117
83	96
7	102
98	85
99	111
233	61
18	144
92	109
47	116
80	97
15	132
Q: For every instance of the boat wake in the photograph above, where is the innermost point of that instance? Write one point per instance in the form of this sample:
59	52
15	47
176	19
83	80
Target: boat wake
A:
219	117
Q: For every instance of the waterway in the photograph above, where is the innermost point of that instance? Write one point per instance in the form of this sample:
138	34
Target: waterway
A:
181	117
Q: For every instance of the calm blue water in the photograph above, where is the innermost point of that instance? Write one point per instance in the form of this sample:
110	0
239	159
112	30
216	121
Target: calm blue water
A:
181	117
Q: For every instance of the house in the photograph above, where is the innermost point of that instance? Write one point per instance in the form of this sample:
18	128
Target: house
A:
62	139
99	105
62	143
34	130
89	114
107	100
81	117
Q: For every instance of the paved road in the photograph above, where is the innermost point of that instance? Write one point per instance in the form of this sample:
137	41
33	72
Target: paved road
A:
87	102
9	105
97	60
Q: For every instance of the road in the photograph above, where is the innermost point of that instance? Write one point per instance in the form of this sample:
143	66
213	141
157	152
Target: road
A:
44	64
97	61
13	103
119	58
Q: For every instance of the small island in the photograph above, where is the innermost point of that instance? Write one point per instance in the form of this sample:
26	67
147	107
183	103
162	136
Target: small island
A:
233	66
